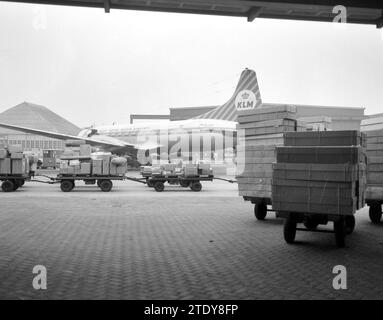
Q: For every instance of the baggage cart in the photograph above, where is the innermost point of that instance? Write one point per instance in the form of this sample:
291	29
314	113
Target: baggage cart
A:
67	181
193	182
321	183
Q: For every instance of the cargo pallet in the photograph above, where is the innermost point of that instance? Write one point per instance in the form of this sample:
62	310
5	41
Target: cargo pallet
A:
11	182
343	224
260	206
194	182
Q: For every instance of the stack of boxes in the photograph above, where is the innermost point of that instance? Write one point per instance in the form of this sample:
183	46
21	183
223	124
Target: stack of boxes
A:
13	161
116	165
76	149
171	169
146	171
205	169
375	165
168	169
77	160
260	131
190	170
320	172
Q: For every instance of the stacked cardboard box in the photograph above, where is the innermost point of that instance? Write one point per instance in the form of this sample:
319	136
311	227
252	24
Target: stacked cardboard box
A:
374	165
205	169
13	161
260	131
76	149
78	160
171	169
146	171
117	166
190	170
325	138
320	172
98	167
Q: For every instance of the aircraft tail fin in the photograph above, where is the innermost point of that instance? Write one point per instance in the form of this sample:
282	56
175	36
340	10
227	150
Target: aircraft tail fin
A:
246	96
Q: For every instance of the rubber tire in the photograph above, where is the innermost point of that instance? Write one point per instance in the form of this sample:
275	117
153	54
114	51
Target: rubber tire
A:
290	228
7	186
150	183
260	211
350	224
184	184
106	185
340	232
67	185
159	186
375	213
196	186
310	224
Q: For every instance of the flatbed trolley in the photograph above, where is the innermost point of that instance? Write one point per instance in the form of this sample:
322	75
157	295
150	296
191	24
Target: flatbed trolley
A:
343	224
260	206
11	182
67	181
193	182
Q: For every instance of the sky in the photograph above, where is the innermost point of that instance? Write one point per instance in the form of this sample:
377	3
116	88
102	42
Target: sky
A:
94	68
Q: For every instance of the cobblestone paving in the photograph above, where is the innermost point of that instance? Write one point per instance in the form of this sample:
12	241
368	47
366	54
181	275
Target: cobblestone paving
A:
135	243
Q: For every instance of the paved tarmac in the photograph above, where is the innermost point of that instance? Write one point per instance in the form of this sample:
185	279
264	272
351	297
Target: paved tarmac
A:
135	243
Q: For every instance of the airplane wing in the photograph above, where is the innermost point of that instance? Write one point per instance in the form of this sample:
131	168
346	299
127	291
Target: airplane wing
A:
112	142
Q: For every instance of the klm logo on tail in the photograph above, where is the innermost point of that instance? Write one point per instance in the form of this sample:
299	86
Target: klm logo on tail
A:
245	97
245	100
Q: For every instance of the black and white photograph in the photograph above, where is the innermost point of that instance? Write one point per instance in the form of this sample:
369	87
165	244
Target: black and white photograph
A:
200	151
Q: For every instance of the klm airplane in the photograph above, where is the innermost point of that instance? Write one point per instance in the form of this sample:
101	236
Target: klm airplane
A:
212	131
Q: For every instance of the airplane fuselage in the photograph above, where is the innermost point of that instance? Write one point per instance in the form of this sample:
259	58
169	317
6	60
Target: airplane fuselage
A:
193	136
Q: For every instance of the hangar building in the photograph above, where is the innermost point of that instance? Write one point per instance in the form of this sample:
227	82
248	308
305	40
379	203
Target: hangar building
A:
37	117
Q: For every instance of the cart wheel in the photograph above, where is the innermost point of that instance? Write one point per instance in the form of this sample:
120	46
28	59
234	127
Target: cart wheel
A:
67	185
260	211
350	224
375	212
159	186
310	224
340	232
290	228
196	186
106	185
184	184
150	183
7	186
